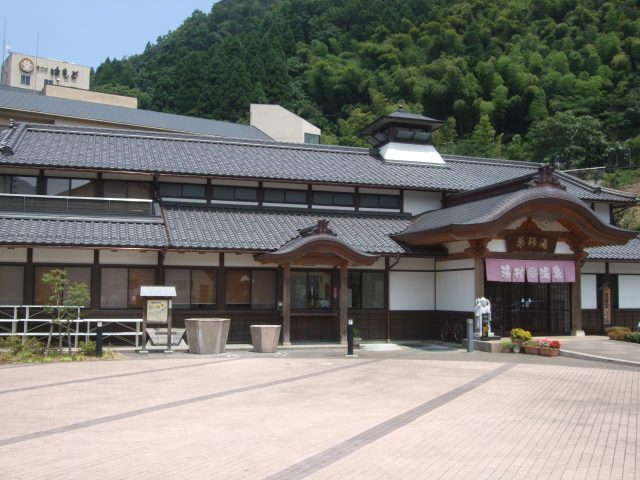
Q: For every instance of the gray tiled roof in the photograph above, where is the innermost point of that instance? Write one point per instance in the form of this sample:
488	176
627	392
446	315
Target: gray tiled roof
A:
122	150
30	101
488	209
630	251
76	232
260	230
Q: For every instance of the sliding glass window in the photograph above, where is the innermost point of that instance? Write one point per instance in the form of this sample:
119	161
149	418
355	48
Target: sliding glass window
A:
365	290
310	290
250	289
196	288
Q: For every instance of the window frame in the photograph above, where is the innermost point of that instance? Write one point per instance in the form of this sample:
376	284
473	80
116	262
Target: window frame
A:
285	191
92	181
25	80
378	197
307	307
333	202
235	189
24	275
128	268
63	266
249	306
12	176
182	194
127	185
195	306
361	274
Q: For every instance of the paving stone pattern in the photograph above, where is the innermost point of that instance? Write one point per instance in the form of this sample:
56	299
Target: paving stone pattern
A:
410	414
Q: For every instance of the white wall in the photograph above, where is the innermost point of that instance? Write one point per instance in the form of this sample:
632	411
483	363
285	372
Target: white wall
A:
602	212
455	264
457	247
128	257
17	255
455	290
593	267
562	247
192	259
191	180
280	124
629	291
589	291
70	174
286	186
416	202
243	260
234	183
411	291
61	256
407	263
377	265
20	171
127	176
332	188
624	268
497	245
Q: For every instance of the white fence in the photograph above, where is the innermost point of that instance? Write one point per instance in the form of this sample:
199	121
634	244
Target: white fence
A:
27	321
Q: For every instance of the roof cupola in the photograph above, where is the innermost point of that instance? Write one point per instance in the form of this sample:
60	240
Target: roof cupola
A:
404	138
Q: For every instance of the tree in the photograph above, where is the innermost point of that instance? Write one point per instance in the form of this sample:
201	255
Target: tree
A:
63	305
568	141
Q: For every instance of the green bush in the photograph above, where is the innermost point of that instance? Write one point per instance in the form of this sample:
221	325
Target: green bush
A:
15	345
520	334
88	348
632	337
618	333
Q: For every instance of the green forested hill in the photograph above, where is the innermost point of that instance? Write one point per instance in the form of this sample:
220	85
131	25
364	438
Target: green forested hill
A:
529	79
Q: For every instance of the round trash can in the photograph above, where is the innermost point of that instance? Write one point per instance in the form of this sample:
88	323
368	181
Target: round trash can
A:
207	335
265	338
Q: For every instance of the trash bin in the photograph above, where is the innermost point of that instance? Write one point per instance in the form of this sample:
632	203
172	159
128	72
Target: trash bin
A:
207	335
265	338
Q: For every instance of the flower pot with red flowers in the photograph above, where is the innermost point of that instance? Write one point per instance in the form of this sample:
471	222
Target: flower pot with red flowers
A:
532	347
549	347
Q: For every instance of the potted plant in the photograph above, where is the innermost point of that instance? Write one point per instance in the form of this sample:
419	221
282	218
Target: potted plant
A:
518	337
516	347
549	347
532	347
357	339
507	345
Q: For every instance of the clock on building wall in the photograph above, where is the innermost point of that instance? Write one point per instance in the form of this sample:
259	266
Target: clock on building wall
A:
26	65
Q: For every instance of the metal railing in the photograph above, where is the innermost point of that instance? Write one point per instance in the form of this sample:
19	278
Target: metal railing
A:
25	321
74	205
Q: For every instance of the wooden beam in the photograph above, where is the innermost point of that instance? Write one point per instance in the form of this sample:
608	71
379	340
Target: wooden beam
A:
343	303
576	293
286	304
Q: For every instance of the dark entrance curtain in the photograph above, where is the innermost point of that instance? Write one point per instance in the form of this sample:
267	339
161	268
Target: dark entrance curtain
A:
542	308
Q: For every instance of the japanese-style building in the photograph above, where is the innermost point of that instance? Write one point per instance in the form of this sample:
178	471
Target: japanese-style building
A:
397	237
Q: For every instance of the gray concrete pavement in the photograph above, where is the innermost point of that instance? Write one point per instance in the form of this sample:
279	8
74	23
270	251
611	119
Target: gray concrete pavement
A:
601	348
407	413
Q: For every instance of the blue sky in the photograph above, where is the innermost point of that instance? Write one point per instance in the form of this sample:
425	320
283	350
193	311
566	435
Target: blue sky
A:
88	31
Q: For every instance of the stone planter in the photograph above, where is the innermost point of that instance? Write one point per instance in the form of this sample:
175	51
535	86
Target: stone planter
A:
265	338
207	335
550	352
532	350
356	342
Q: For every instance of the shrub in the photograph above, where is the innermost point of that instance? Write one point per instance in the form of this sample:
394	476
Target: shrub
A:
520	334
506	343
632	337
30	346
618	333
88	348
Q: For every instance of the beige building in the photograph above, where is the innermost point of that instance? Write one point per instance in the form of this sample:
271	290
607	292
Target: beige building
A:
33	73
283	125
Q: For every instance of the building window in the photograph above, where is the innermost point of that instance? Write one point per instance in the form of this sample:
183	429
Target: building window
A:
337	199
368	200
182	190
255	289
18	184
120	287
11	285
365	290
312	138
278	195
48	81
25	79
42	293
235	194
128	189
310	290
195	288
71	187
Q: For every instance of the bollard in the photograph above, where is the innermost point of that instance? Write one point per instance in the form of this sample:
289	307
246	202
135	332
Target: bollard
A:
99	340
350	337
470	335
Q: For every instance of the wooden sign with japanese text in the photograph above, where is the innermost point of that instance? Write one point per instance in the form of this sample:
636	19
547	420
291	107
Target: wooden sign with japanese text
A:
157	311
606	305
530	242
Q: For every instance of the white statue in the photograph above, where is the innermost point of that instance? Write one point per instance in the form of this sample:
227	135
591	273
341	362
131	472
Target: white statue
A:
483	305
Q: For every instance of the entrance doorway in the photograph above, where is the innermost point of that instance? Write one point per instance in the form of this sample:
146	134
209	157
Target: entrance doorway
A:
542	308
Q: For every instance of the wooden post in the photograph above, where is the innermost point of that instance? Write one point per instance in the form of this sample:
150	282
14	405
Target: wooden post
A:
343	303
478	251
286	304
576	294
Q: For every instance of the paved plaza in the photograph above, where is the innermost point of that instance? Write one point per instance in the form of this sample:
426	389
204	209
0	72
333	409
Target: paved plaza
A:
405	413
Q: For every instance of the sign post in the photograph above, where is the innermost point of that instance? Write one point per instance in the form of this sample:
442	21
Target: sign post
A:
606	305
157	310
